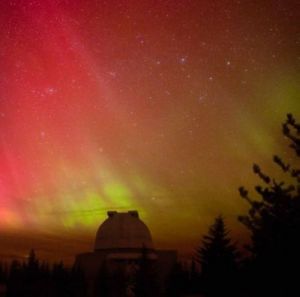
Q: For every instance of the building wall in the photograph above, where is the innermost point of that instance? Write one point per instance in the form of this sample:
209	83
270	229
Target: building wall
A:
91	263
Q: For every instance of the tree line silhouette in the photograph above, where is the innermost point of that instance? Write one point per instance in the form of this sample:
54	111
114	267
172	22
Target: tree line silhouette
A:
217	269
35	278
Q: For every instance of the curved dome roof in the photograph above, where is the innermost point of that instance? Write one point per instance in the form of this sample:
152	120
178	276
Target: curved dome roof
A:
123	230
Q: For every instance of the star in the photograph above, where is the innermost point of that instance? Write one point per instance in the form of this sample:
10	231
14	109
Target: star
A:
112	74
201	98
50	91
183	60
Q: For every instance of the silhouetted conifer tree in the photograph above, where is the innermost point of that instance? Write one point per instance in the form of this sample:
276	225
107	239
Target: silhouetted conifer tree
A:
60	278
32	279
3	273
274	223
78	286
32	267
15	281
218	259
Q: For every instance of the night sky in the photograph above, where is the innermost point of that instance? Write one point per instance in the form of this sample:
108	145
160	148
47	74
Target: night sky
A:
159	106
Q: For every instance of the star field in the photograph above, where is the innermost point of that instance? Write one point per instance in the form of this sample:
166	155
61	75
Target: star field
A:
160	106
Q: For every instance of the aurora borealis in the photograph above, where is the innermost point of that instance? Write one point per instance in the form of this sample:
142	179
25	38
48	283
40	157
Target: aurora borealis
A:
160	106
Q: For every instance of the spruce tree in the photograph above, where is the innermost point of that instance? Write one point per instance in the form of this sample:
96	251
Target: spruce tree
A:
274	223
218	259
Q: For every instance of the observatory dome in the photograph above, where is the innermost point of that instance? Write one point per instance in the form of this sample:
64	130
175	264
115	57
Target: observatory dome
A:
123	230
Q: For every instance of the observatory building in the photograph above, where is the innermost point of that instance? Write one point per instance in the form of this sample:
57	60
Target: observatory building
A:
122	240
